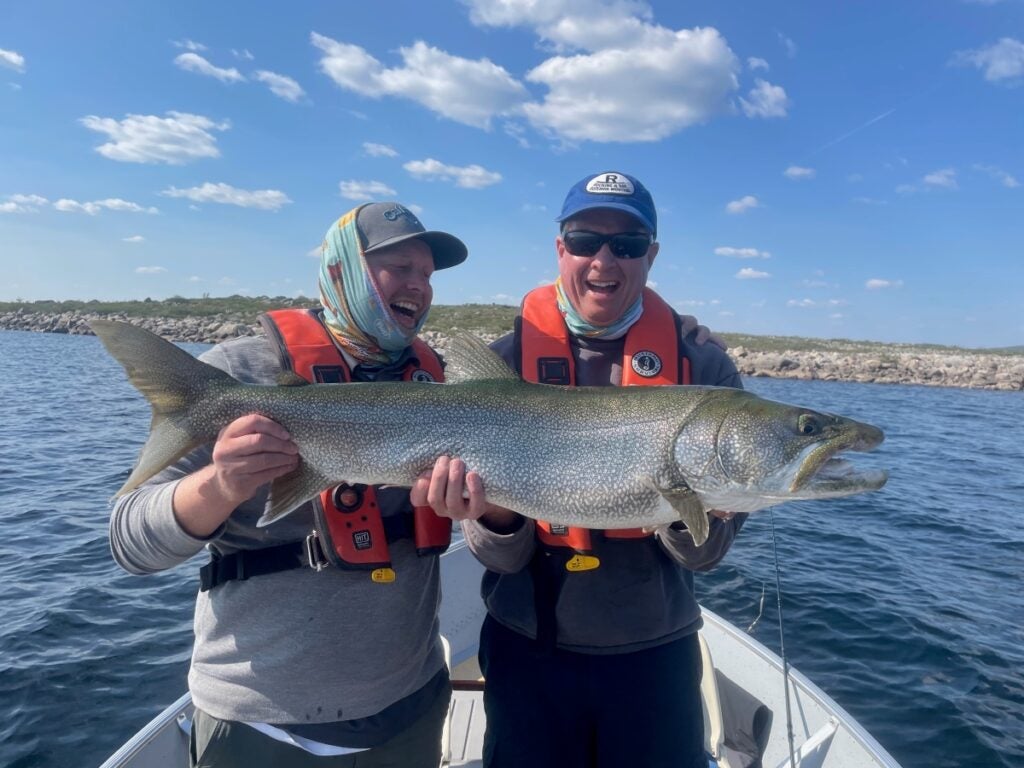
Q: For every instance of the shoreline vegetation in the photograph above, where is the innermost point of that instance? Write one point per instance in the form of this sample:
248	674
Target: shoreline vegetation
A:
209	320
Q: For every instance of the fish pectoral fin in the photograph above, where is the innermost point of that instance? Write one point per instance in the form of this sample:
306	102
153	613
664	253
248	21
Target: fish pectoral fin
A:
291	491
688	506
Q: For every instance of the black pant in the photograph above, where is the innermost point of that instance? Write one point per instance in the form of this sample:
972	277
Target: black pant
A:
574	710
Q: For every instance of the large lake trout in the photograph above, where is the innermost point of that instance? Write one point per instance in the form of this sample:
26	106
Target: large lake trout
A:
594	457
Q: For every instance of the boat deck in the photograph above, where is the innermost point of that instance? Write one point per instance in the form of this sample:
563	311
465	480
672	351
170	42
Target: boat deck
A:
464	738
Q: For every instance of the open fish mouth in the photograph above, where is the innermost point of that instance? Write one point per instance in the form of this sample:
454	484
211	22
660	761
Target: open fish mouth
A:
824	472
840	475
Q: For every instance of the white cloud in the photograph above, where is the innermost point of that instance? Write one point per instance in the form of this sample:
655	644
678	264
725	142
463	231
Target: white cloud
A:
176	139
945	178
242	54
12	60
751	274
23	204
378	150
225	194
742	205
765	100
664	82
134	239
417	209
195	279
467	91
193	62
797	173
869	201
906	189
802	303
469	176
754	62
150	270
280	85
876	284
788	44
365	190
189	45
504	298
1003	60
742	253
92	208
998	174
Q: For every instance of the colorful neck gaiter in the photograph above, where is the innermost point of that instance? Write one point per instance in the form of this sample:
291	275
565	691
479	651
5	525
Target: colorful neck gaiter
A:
580	327
354	311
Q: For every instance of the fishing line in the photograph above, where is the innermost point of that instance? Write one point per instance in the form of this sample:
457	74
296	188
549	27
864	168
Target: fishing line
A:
782	642
760	610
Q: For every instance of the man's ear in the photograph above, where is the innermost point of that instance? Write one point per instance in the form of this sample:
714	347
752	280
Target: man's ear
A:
652	252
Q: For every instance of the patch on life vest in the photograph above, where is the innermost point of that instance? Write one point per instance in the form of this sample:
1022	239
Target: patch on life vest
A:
362	540
559	530
610	184
422	376
578	563
646	363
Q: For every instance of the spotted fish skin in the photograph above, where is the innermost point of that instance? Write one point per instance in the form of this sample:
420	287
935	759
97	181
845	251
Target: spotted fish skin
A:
595	457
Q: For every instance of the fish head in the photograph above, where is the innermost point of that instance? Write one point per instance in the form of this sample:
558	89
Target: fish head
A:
758	452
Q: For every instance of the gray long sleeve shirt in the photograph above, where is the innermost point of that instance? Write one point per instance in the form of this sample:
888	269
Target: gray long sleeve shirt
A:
296	646
642	593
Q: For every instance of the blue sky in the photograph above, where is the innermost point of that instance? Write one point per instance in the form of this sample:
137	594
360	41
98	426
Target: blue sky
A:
821	169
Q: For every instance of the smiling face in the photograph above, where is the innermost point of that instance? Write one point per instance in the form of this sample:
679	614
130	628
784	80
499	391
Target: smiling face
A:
602	287
402	276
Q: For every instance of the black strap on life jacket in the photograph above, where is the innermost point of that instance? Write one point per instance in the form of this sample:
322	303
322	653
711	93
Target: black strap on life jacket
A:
247	563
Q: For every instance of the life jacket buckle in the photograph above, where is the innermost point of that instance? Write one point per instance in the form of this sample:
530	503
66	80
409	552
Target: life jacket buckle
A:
315	552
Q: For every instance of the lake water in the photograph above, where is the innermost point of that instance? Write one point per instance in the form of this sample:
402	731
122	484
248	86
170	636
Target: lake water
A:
906	606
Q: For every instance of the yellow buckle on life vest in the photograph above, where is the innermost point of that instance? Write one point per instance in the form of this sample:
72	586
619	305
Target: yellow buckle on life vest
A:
578	563
382	575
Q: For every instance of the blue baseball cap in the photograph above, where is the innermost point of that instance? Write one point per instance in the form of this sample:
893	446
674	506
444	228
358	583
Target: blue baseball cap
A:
615	190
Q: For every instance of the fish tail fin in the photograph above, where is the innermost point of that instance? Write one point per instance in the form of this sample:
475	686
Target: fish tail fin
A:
173	381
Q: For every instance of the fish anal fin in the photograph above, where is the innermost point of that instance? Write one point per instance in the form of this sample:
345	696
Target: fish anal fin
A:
688	506
291	491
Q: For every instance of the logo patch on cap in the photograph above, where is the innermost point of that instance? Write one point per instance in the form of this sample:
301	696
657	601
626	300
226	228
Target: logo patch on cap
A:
610	184
646	363
422	376
392	214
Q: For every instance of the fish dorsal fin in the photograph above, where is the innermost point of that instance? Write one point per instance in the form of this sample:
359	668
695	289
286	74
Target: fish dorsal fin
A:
290	379
468	358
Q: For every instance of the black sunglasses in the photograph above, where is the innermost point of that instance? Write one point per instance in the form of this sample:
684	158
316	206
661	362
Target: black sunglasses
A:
624	245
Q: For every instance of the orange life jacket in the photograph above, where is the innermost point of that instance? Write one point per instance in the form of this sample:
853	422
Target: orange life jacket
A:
349	522
650	358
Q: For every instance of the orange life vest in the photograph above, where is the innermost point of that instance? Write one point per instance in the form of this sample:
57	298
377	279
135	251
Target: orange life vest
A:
650	358
353	534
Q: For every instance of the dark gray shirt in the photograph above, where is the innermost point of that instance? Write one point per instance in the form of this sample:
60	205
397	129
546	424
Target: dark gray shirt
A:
642	593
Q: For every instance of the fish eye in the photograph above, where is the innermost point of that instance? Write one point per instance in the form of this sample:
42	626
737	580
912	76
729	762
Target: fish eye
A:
807	424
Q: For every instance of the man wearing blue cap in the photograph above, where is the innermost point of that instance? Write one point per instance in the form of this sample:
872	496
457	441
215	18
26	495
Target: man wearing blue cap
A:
590	648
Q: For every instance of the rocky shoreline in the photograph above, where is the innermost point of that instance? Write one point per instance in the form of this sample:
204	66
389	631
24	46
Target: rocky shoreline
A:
895	364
